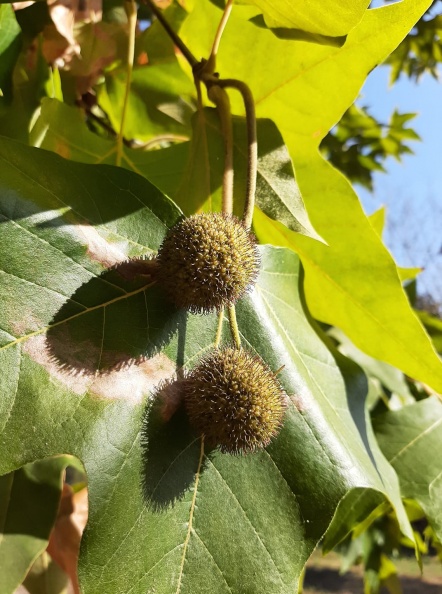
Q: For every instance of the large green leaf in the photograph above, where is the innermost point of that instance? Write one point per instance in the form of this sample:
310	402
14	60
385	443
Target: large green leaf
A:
166	514
411	439
333	18
29	499
352	283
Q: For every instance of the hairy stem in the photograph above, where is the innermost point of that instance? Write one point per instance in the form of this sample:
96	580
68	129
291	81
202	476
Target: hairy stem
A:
234	327
174	36
219	331
222	25
199	93
252	160
221	99
131	11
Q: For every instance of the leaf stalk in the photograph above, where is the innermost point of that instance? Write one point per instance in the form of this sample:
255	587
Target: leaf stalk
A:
234	326
221	99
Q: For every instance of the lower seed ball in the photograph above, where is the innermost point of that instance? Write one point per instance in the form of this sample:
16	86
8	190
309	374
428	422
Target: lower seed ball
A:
235	400
207	261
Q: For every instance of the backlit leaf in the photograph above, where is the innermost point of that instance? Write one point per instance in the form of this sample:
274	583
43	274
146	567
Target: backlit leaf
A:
306	90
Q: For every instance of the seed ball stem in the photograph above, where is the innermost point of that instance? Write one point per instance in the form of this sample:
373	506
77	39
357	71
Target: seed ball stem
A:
207	262
235	400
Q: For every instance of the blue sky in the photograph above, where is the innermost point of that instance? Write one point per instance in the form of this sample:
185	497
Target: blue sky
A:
412	189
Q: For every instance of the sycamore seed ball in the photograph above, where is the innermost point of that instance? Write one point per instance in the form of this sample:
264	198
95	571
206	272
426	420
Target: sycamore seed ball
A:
235	400
207	261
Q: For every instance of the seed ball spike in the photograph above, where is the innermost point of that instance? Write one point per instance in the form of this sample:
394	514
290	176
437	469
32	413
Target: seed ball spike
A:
235	400
207	261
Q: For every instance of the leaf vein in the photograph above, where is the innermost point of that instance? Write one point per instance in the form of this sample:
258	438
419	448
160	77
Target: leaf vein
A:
427	431
192	510
213	559
250	522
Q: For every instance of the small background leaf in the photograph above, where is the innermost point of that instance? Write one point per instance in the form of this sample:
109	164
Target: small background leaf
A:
411	440
29	499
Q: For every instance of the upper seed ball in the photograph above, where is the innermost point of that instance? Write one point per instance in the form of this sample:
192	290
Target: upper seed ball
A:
235	400
207	261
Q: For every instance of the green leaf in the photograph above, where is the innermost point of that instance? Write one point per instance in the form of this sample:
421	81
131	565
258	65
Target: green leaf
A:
191	172
389	376
10	43
299	34
165	513
29	499
306	92
333	18
155	42
434	328
46	577
32	80
377	220
199	185
359	144
411	439
407	274
159	101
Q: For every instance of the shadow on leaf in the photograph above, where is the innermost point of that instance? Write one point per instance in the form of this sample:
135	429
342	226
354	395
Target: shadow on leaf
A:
170	449
113	321
299	34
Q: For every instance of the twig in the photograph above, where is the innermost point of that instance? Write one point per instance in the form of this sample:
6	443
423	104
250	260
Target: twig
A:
222	25
131	11
174	36
90	114
222	102
252	161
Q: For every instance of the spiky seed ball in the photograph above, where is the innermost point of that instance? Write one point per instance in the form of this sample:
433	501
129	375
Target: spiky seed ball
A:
235	400
207	261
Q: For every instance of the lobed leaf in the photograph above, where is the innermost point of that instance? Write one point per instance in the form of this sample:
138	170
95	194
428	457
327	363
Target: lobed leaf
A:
166	513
